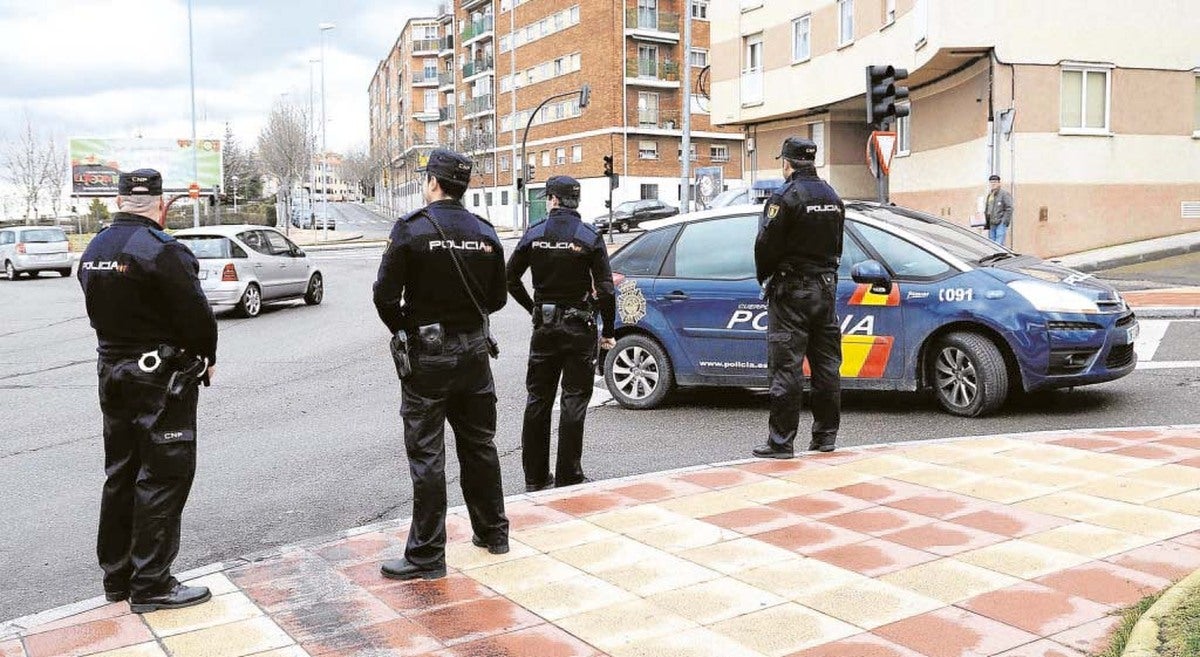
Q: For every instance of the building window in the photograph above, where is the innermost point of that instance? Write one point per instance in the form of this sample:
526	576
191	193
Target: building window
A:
699	57
577	153
560	156
648	150
802	39
1085	100
545	158
504	197
752	70
647	109
889	12
691	149
504	163
904	132
700	9
649	192
475	199
816	132
431	101
845	22
719	152
489	166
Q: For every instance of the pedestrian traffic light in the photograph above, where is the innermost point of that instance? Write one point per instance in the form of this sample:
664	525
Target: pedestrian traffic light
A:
530	172
883	94
608	166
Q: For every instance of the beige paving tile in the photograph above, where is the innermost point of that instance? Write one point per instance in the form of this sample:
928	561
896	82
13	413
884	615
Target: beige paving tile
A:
884	465
222	609
1021	559
938	453
618	626
1090	540
1107	464
792	579
605	554
639	517
217	583
698	642
783	630
706	504
1000	490
1188	503
561	535
523	574
292	651
1148	521
949	580
991	445
829	478
1043	453
937	476
465	556
1171	474
710	602
140	650
683	535
1052	477
1070	505
991	465
657	575
868	603
1125	489
772	490
741	554
234	640
570	597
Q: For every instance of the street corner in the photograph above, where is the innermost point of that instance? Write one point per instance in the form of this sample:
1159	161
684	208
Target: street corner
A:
715	558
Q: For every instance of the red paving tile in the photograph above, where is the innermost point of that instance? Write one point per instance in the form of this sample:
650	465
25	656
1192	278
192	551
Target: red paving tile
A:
777	468
320	621
883	491
375	546
1157	452
1137	435
1037	609
718	478
1190	540
659	490
527	516
939	505
1106	583
1154	298
809	537
1188	442
944	538
754	520
539	641
863	645
954	632
1191	463
480	619
397	638
418	596
1043	648
101	613
89	638
1168	560
1092	444
1092	637
874	558
270	570
586	504
821	505
879	520
1009	521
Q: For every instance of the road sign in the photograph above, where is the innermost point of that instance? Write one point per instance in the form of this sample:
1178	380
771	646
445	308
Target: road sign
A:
880	150
194	190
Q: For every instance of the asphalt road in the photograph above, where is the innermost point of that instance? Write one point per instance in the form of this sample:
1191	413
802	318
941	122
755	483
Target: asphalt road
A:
300	434
356	218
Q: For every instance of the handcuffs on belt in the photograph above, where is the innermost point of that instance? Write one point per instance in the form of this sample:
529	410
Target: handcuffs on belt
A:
150	362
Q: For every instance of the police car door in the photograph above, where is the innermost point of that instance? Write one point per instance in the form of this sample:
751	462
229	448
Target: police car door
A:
872	323
709	295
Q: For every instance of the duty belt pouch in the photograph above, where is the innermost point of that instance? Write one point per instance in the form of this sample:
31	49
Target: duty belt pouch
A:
177	422
432	338
399	348
545	315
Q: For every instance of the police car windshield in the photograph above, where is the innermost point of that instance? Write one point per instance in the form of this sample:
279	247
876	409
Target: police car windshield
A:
208	247
958	241
43	236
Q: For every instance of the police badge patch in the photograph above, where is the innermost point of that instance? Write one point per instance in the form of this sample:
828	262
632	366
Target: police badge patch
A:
631	303
772	211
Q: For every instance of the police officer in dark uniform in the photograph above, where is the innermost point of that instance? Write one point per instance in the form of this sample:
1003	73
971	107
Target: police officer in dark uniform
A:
571	281
441	276
152	321
796	254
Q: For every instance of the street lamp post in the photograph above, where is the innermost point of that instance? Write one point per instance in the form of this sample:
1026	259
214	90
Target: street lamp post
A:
585	95
324	27
312	161
195	146
235	192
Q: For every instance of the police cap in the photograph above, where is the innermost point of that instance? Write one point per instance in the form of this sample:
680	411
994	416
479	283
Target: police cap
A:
449	166
564	187
143	182
797	148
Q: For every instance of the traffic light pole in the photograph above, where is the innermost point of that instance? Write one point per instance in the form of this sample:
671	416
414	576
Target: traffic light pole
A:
584	95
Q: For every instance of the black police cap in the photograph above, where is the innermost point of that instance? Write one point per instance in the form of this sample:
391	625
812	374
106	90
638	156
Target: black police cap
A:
143	182
564	187
797	148
449	166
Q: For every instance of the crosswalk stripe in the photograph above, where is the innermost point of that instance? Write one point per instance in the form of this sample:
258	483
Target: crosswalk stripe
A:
1151	337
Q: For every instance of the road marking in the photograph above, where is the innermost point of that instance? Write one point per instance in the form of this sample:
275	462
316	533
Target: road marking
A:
1151	337
1170	365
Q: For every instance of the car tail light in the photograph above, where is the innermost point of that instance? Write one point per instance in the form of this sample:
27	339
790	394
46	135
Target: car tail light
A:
229	273
21	248
618	279
70	249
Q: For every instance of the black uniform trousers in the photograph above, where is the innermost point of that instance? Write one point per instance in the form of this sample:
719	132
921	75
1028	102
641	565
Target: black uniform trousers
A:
802	321
453	383
565	349
150	461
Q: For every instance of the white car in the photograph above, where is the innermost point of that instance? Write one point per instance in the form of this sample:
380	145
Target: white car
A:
242	267
32	250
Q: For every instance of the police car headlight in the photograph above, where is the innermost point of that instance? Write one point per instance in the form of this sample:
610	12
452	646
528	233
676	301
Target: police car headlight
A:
1051	298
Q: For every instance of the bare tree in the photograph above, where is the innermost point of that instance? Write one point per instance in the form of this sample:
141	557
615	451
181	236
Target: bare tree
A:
58	174
240	164
358	169
25	167
285	147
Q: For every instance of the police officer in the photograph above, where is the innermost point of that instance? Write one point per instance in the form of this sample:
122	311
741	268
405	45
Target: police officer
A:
796	254
571	280
144	300
441	276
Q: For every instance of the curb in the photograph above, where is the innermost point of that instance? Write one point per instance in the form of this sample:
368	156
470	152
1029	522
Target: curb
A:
12	628
1152	252
345	246
1167	312
1144	640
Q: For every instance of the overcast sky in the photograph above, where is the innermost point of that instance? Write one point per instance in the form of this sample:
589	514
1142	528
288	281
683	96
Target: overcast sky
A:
119	68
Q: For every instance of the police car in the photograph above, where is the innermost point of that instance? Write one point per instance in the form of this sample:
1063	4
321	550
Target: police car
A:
924	305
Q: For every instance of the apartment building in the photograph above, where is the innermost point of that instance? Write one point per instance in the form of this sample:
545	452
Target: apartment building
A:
1090	112
500	59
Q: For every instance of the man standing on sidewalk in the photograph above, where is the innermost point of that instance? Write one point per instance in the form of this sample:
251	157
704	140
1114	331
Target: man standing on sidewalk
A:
999	211
569	261
442	274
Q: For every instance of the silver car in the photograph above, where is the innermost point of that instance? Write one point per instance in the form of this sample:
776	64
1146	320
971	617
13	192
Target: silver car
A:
32	250
242	267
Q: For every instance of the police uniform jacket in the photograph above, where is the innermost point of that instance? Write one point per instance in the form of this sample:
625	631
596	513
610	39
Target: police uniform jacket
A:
569	261
418	283
142	291
801	228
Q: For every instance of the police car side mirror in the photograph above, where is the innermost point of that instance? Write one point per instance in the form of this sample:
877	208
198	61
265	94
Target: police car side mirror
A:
872	273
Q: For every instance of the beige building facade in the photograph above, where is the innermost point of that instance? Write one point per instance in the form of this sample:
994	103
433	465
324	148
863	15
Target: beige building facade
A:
1088	110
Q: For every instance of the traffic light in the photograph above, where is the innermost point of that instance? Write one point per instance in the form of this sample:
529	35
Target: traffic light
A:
530	172
608	204
883	94
608	166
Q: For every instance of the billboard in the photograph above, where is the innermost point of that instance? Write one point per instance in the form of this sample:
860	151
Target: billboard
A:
710	181
96	163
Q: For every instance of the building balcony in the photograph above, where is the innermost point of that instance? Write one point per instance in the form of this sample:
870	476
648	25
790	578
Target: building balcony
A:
478	67
478	29
471	4
446	114
425	79
479	141
445	12
446	79
652	73
446	45
657	119
427	115
650	25
426	46
479	105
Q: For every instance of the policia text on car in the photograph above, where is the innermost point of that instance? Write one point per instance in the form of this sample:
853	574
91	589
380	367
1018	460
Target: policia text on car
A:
571	281
157	341
796	254
442	274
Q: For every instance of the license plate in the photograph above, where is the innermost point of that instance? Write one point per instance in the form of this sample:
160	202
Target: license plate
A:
1132	333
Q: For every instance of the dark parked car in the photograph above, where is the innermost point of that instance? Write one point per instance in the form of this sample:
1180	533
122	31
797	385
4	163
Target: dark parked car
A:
631	214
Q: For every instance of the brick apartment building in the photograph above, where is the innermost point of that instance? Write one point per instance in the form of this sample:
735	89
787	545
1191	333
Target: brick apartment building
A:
631	54
1090	112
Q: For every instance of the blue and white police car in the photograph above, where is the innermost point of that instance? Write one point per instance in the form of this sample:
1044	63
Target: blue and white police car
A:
924	304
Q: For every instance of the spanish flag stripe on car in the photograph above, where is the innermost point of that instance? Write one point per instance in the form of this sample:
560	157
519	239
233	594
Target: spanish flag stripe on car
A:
863	296
863	356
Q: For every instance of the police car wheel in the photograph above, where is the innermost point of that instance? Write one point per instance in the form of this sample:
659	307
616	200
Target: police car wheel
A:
968	375
251	303
316	291
10	272
65	273
638	373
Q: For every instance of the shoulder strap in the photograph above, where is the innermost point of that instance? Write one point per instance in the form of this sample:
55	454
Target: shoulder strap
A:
464	275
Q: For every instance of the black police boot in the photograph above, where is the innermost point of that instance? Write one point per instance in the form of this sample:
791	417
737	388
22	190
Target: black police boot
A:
402	569
533	488
581	480
493	548
178	597
116	596
823	444
769	452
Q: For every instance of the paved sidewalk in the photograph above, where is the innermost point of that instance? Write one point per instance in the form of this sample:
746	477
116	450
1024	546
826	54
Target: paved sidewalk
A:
1176	302
1021	546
